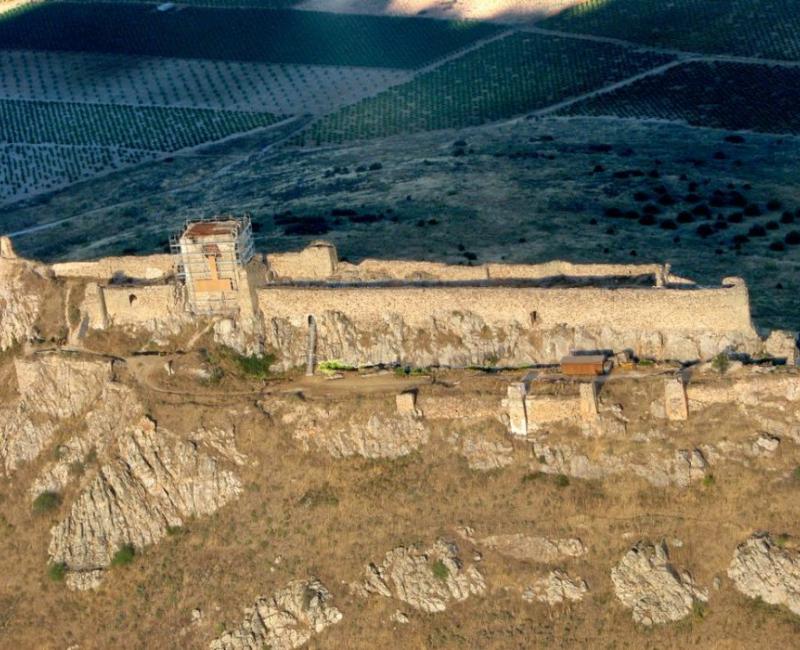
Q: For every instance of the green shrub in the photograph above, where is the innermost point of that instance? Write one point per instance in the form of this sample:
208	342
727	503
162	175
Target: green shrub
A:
254	365
46	502
440	570
57	571
529	477
709	480
334	365
124	555
562	480
721	363
796	473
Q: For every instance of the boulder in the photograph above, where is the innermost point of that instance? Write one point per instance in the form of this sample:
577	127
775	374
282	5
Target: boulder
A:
761	568
646	582
285	620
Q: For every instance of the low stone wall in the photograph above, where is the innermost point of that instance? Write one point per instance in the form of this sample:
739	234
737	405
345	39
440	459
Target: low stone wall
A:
144	306
132	267
454	407
543	409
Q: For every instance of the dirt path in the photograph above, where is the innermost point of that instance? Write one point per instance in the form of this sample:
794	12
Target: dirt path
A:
463	51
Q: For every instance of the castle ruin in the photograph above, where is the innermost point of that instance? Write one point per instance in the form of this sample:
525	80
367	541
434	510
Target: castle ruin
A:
411	313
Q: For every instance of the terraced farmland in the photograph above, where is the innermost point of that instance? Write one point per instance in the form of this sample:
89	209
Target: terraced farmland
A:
188	83
723	95
514	75
766	28
247	34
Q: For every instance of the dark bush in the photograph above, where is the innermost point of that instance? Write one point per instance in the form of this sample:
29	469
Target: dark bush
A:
651	208
773	205
46	502
598	169
667	224
735	217
632	215
692	198
641	196
792	238
777	246
752	210
757	231
701	210
704	230
739	240
685	217
647	220
772	225
787	217
666	199
734	139
720	225
613	213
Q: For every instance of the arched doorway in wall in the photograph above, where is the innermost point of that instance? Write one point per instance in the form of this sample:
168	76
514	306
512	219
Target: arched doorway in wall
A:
311	355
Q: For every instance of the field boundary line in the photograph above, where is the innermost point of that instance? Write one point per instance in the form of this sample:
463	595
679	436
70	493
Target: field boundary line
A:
433	65
605	89
687	55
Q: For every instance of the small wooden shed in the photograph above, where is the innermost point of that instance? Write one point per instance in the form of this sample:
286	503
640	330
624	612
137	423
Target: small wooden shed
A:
584	365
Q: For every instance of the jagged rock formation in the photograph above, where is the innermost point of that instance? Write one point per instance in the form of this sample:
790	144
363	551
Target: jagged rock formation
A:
155	481
285	620
19	303
763	569
339	434
555	588
52	388
647	583
679	469
427	580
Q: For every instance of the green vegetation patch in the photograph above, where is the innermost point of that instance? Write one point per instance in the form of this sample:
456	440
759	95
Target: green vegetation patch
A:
124	555
57	571
243	34
734	96
46	502
514	75
767	28
135	127
440	570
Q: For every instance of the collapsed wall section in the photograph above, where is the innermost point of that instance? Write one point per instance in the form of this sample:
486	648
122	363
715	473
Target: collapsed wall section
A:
126	267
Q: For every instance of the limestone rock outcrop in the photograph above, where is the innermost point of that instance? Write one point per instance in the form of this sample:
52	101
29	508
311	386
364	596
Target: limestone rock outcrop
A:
555	588
285	620
155	481
646	582
339	434
763	569
463	338
428	580
19	304
52	388
483	453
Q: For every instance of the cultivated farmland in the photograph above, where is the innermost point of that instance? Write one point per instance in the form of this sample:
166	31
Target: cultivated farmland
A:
145	127
188	83
724	95
519	73
246	34
767	28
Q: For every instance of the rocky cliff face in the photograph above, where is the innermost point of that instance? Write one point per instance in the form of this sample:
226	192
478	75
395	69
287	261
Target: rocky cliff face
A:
154	481
20	303
464	339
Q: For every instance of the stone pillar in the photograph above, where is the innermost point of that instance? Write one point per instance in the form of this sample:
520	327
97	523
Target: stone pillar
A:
517	416
589	409
782	344
676	406
7	248
407	403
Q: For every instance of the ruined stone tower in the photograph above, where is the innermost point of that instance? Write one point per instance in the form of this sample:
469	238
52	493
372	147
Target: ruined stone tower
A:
210	260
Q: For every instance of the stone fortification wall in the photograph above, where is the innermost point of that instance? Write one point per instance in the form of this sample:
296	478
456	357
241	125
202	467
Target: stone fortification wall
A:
314	262
719	310
133	267
151	307
504	326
